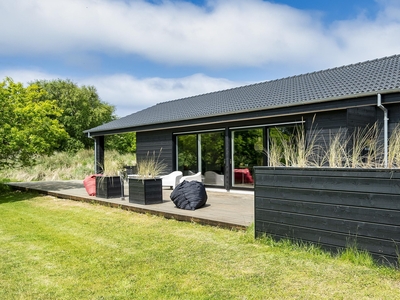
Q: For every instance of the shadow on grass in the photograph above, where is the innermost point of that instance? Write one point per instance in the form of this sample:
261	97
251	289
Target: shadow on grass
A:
8	196
19	191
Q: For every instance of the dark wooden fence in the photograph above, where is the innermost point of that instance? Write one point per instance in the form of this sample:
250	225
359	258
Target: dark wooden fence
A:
335	208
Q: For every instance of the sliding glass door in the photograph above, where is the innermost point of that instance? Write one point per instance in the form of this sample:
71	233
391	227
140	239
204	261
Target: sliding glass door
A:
247	152
187	154
213	158
202	152
255	146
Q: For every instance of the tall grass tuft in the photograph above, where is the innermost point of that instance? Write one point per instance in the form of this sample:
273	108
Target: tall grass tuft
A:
336	155
300	150
151	166
356	256
288	150
365	152
275	153
394	148
361	149
306	149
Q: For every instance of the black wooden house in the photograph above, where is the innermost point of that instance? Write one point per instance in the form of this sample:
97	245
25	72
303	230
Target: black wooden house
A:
226	133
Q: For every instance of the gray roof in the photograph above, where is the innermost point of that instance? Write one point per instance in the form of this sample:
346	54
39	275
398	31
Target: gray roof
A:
365	78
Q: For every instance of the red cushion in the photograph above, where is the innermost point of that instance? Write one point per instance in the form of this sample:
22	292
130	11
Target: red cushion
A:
90	184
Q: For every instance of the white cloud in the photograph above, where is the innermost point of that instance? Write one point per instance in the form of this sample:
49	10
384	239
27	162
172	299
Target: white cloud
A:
225	32
251	33
25	76
364	38
129	94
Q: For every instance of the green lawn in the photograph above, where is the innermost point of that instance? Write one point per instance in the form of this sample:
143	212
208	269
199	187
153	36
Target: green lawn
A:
59	249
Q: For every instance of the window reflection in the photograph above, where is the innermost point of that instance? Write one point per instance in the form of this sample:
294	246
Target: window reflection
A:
247	153
202	152
212	158
205	153
187	154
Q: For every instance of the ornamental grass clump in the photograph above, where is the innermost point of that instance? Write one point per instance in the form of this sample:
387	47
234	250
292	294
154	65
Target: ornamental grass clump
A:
298	150
113	167
366	152
394	148
336	155
275	153
151	166
306	149
363	148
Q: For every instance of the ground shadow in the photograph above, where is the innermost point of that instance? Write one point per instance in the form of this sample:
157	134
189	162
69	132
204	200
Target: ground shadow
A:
16	195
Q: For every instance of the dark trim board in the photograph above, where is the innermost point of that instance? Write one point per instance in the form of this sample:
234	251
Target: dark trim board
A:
335	208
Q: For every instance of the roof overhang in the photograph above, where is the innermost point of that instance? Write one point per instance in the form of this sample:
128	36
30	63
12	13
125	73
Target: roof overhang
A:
313	106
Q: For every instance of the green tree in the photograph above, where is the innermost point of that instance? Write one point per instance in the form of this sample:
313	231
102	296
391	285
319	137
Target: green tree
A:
29	125
82	110
123	143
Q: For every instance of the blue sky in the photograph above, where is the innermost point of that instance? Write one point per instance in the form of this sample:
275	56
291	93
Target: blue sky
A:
138	53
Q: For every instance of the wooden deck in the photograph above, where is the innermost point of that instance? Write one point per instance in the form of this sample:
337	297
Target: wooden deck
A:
234	209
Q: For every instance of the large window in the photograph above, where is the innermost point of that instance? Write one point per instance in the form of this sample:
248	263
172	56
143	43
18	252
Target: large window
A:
248	147
254	146
213	158
187	154
267	145
202	152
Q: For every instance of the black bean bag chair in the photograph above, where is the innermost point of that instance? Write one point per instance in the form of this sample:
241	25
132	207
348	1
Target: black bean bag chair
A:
189	195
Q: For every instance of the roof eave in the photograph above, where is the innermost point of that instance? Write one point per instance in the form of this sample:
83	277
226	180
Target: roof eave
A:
124	129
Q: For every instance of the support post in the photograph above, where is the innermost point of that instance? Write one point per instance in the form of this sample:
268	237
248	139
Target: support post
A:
99	154
228	160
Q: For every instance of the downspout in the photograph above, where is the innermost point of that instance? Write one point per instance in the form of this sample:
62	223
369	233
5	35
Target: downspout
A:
385	128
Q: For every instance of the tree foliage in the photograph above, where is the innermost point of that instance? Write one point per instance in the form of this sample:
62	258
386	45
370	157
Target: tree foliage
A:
123	143
82	110
29	124
50	116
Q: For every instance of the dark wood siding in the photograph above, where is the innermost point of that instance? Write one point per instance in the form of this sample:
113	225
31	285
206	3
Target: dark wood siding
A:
361	116
152	142
335	208
325	125
394	116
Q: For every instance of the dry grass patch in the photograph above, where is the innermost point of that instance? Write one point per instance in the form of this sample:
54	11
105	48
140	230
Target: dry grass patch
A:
67	166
